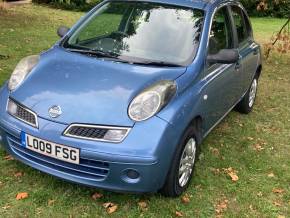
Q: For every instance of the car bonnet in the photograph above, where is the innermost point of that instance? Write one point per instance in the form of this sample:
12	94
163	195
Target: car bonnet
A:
88	90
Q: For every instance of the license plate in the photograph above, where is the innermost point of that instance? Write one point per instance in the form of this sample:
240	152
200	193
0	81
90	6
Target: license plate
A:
50	149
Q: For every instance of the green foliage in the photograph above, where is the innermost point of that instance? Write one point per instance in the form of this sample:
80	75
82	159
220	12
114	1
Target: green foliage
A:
258	8
277	8
80	5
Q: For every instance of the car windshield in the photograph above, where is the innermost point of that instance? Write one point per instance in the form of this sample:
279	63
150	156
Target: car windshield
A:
140	32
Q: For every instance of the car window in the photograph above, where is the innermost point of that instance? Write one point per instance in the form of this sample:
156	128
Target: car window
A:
221	36
248	25
132	31
240	24
108	21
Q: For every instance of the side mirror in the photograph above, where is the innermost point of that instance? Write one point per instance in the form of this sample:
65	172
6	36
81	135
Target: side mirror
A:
224	56
62	31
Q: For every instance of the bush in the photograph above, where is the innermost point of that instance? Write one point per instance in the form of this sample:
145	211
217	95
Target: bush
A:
79	5
273	8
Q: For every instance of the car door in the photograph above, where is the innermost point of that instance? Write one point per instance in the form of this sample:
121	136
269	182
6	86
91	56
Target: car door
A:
222	87
248	48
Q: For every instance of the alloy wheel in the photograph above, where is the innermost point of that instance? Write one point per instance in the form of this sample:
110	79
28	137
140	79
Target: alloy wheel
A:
253	92
187	162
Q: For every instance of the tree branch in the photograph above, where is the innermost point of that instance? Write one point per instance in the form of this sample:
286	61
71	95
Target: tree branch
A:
277	38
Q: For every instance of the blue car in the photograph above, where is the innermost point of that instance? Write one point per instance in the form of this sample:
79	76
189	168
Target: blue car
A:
124	100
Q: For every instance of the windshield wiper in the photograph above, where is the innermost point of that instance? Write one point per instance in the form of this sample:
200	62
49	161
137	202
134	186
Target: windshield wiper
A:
158	63
92	52
115	56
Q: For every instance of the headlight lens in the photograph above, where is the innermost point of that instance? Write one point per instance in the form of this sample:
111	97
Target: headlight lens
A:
151	100
22	69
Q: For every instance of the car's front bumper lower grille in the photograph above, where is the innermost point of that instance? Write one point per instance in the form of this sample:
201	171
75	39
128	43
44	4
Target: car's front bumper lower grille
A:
87	169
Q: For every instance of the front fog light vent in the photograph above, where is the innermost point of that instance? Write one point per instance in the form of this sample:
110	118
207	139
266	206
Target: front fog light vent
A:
97	133
22	113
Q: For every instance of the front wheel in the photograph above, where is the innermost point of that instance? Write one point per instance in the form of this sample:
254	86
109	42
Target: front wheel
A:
246	105
183	164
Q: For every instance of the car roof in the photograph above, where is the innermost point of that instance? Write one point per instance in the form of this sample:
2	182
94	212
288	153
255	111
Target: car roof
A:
199	4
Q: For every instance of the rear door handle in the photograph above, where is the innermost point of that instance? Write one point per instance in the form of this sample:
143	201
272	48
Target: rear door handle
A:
238	64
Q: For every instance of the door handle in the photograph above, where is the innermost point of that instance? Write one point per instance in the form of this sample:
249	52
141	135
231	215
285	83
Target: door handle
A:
238	66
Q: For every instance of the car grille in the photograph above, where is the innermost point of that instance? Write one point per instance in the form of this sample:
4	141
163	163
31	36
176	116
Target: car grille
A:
23	114
87	169
88	132
94	132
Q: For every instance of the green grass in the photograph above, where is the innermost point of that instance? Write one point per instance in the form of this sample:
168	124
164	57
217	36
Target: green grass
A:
31	29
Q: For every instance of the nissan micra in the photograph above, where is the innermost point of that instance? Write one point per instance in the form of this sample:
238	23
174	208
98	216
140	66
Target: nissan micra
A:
125	98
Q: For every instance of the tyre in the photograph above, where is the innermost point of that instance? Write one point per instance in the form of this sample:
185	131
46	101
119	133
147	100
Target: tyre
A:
246	105
183	164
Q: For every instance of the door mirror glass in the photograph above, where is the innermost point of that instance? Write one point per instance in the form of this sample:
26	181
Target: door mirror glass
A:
62	31
224	56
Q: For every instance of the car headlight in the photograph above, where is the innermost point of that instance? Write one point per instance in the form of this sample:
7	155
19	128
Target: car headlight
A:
21	71
151	100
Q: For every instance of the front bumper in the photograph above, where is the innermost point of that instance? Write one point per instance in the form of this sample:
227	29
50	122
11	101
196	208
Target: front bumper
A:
148	149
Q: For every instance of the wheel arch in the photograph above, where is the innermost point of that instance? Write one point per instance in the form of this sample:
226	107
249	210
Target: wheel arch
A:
197	123
259	71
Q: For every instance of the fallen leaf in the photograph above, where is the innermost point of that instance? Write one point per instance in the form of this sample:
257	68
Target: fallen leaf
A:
178	214
50	202
38	211
108	204
271	175
221	206
250	138
233	176
143	205
215	151
110	207
185	199
6	207
251	207
277	190
18	174
281	216
8	157
277	203
258	147
97	195
232	173
21	195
